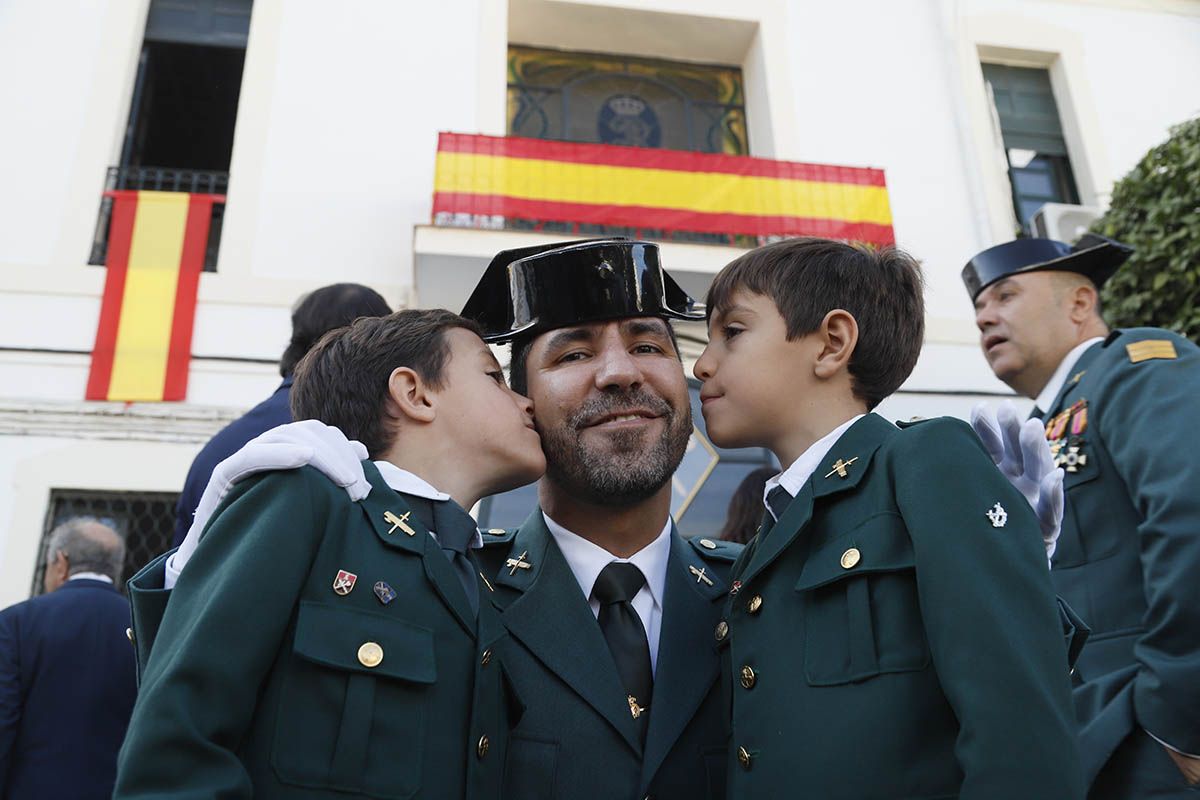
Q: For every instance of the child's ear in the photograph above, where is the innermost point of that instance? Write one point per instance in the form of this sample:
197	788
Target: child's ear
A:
409	397
838	335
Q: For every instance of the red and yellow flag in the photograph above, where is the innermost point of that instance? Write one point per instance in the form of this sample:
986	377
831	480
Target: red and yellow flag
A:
550	181
156	247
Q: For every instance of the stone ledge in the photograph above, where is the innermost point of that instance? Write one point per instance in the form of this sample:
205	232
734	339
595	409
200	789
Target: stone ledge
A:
149	422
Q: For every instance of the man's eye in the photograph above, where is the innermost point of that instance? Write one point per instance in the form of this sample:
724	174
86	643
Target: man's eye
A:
729	331
497	376
576	356
642	349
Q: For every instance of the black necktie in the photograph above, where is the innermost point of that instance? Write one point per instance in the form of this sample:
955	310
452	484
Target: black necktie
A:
455	529
615	587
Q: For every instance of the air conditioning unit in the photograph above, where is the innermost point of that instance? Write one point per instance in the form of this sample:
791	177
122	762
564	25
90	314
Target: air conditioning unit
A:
1063	221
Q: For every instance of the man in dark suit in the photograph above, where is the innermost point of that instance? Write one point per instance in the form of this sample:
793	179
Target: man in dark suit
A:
317	313
1119	408
67	681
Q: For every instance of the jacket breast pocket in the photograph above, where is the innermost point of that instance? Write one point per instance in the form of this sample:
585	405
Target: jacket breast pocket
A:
862	617
353	703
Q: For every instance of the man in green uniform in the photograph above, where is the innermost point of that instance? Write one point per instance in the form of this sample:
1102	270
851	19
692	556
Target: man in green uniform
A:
891	631
316	647
610	610
1119	408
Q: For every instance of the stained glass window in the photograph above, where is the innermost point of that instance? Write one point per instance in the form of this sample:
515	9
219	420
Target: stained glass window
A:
622	100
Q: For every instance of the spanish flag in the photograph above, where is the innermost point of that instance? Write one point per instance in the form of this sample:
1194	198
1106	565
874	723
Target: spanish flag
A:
156	247
481	177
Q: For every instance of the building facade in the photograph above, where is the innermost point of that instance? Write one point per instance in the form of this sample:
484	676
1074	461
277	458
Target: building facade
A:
315	128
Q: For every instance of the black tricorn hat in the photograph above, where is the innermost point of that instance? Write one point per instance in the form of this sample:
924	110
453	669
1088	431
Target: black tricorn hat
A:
536	289
1094	256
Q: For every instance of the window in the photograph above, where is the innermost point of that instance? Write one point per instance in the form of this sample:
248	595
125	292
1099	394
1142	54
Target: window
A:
638	102
179	136
146	520
626	101
1039	168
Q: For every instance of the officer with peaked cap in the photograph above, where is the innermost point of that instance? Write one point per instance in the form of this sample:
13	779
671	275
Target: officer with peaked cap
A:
1119	408
611	612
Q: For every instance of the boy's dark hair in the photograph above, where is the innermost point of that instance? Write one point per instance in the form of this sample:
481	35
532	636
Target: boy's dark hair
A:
809	277
518	373
323	310
343	380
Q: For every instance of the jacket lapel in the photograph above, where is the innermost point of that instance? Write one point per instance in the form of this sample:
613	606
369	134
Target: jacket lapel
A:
840	471
552	619
687	661
392	520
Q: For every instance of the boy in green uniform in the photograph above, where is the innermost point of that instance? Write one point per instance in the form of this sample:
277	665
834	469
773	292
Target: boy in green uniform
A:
891	632
318	647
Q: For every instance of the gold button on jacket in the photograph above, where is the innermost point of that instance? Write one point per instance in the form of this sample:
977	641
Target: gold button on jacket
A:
370	655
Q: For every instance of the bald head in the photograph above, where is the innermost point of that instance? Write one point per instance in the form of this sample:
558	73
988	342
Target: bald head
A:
83	544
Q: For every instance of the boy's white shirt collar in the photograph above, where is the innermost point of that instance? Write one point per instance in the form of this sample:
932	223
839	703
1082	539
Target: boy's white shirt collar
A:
795	476
1050	391
586	559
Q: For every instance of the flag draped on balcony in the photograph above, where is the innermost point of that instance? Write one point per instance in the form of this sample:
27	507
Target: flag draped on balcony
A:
484	180
156	248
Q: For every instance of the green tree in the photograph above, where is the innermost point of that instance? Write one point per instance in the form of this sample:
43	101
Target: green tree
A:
1156	209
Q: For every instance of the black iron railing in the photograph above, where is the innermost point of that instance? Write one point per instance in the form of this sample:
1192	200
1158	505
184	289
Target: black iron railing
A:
162	179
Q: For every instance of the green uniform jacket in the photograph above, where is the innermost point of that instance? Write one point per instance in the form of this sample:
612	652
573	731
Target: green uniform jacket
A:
259	684
1128	560
577	739
889	640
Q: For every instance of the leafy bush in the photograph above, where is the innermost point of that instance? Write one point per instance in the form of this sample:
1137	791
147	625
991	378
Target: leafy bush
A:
1156	209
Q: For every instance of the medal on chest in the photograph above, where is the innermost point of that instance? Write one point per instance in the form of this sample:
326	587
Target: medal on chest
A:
1065	432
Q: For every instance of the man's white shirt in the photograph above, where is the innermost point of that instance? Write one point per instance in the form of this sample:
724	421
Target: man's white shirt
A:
90	576
586	560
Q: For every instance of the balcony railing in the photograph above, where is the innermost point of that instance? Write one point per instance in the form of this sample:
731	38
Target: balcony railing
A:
576	188
162	179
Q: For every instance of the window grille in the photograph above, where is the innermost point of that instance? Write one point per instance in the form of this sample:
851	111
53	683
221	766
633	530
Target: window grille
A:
146	520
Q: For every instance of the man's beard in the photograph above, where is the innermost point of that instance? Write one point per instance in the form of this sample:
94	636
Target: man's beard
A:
626	471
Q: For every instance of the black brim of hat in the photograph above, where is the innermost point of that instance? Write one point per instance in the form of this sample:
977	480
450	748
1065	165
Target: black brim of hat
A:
1098	259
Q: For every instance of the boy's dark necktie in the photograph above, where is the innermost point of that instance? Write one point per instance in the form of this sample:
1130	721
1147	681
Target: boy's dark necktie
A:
614	589
777	502
455	529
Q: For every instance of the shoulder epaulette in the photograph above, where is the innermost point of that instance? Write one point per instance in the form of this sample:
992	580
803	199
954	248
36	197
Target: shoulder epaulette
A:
716	549
908	423
1149	349
496	536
